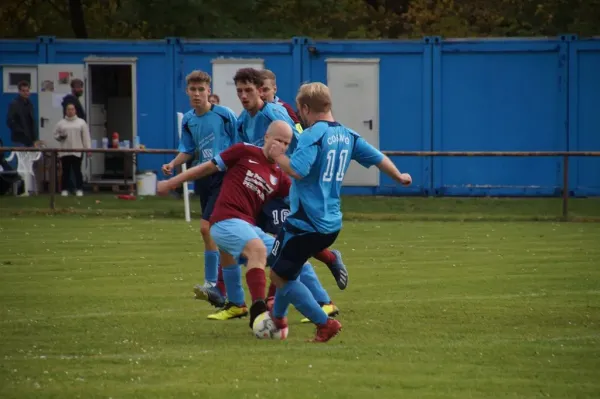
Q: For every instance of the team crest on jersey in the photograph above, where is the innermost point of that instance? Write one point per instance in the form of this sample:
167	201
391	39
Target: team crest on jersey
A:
273	179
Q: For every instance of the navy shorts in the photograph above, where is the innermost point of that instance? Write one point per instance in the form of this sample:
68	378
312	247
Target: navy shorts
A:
293	248
272	216
208	190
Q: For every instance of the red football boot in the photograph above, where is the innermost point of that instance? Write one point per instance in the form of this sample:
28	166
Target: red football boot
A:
327	331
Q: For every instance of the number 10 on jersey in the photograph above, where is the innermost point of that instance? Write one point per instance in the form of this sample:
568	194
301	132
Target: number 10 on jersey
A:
329	169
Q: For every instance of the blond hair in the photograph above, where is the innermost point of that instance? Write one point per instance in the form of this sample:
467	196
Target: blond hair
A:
315	95
197	76
268	74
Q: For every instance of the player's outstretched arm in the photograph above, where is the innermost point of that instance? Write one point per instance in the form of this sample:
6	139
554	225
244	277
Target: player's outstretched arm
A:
180	159
197	172
387	166
367	155
187	148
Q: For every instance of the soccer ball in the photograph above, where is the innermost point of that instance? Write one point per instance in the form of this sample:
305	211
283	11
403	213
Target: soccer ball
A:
264	328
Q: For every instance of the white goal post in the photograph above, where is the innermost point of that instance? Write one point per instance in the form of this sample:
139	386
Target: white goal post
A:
186	189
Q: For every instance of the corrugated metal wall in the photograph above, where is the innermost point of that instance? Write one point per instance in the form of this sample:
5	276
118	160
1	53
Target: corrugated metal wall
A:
496	94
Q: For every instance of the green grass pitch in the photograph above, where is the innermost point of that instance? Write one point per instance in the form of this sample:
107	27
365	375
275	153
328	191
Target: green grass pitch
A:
448	298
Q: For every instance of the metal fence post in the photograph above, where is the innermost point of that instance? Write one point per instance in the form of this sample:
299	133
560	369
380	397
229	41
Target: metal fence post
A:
53	180
565	194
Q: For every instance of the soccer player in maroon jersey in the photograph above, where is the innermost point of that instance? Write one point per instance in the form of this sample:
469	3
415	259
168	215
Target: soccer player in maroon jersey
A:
251	179
256	90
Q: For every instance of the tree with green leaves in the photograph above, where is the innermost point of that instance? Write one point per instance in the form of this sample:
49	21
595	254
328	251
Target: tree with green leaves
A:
282	19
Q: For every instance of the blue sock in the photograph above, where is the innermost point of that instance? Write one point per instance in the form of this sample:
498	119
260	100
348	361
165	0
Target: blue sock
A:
232	275
281	304
309	278
211	266
302	299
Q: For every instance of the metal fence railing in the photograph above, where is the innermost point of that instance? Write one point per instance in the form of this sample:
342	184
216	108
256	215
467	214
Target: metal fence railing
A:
52	152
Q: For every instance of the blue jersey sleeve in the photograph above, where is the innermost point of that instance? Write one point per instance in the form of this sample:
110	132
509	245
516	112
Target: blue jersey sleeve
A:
230	126
276	112
231	129
186	143
303	159
305	154
294	144
240	128
365	154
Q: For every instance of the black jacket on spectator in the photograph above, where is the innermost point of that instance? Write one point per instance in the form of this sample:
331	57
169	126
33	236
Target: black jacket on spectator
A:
20	121
72	99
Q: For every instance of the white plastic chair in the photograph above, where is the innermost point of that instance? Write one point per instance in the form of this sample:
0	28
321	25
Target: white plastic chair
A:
25	161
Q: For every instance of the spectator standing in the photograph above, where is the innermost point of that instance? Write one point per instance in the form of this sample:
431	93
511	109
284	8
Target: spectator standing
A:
20	119
73	98
72	132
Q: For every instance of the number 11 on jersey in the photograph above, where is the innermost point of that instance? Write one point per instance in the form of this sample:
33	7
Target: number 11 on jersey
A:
329	169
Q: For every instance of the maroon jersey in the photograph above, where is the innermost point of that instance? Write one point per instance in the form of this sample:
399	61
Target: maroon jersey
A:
249	182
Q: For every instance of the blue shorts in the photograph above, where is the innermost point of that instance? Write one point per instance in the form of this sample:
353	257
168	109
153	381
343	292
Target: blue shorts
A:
294	247
273	215
232	235
208	190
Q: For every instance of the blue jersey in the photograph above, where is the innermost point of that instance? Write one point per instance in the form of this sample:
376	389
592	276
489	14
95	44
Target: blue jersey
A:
252	129
209	134
322	158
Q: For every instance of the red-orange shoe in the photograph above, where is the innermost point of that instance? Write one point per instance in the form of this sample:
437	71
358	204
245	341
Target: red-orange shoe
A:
327	331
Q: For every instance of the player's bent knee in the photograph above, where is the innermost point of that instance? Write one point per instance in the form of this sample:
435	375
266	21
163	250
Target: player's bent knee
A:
256	253
206	237
205	228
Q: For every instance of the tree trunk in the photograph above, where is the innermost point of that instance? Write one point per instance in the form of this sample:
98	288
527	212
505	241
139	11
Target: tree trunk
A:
77	19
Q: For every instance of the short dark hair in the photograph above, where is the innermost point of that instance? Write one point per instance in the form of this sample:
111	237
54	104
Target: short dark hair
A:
76	82
249	75
22	84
